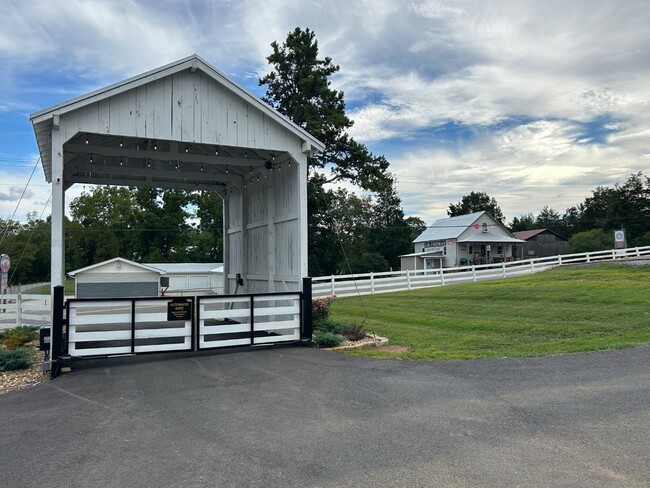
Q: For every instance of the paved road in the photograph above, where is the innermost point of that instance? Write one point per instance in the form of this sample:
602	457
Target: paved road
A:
298	417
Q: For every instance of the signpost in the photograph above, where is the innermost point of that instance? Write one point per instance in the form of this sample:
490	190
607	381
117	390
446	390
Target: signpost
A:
5	263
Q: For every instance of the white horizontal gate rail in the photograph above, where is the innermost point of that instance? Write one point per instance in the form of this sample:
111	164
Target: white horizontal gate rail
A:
248	320
372	283
23	309
107	327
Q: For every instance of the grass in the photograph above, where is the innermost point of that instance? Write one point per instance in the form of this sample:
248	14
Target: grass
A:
558	311
46	290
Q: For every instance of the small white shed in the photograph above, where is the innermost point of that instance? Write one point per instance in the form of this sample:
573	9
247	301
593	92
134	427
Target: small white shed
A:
192	278
117	277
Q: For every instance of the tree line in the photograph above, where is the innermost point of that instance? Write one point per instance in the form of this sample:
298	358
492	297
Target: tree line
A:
590	225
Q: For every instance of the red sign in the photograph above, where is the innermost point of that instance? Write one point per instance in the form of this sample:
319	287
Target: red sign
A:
476	226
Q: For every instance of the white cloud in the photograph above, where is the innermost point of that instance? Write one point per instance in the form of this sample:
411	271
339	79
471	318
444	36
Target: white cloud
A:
407	69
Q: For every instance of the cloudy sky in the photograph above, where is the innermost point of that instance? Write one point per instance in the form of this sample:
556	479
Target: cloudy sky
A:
534	102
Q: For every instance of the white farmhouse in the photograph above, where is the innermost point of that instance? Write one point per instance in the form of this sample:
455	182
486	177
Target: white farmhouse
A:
476	238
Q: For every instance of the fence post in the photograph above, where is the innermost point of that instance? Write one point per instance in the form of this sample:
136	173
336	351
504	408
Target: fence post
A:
56	344
503	266
408	279
588	258
559	259
372	283
474	273
19	309
333	291
307	319
532	266
442	277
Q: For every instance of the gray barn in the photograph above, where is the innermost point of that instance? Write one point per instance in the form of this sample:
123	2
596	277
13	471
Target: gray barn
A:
541	243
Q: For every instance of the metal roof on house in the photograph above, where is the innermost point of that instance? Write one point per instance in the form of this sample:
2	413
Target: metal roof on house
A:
491	238
188	268
449	228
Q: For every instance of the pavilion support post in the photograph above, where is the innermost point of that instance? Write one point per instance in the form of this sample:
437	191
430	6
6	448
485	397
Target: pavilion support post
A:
57	263
302	185
270	226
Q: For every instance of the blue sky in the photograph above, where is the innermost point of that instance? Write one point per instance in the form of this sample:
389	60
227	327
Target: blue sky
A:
534	102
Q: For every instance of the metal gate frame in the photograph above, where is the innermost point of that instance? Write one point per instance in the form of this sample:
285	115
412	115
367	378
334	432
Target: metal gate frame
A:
60	334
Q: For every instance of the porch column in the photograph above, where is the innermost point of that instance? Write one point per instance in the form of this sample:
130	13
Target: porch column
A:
57	266
302	186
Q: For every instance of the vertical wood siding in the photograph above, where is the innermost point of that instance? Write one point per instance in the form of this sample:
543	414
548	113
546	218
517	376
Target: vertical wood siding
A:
186	107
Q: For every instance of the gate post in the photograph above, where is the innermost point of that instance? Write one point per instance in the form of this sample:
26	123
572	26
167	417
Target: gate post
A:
307	321
57	331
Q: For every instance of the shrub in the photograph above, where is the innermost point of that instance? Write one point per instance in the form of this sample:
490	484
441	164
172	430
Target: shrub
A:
330	326
326	339
320	309
354	332
12	360
18	337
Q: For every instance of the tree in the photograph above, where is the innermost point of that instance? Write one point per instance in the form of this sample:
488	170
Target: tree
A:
550	219
523	222
591	240
298	86
476	202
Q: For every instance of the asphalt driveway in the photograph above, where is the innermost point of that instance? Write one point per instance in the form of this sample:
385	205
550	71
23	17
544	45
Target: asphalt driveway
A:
298	417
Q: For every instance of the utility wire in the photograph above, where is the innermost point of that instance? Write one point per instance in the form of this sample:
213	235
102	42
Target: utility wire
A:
6	230
29	239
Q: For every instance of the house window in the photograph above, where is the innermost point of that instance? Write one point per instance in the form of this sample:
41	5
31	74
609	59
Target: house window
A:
471	251
499	249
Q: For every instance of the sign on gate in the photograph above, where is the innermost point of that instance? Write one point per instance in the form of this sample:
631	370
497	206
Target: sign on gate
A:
179	309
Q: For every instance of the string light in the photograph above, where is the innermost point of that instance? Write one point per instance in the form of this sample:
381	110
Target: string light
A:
201	166
121	142
86	139
148	163
227	170
91	159
187	149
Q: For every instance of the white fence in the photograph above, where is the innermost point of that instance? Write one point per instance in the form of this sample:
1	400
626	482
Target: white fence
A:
372	283
23	309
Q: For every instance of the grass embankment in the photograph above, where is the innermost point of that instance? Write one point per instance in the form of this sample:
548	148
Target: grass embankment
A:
46	290
558	311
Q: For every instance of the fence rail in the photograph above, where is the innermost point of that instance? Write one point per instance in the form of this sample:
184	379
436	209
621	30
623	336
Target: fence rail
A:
391	281
23	309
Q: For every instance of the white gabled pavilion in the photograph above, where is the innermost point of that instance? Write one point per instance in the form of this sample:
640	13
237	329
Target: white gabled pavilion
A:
186	125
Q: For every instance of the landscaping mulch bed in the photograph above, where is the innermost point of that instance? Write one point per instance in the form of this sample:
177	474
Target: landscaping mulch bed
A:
24	378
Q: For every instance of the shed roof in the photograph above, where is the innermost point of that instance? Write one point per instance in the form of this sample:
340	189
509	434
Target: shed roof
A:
45	119
146	267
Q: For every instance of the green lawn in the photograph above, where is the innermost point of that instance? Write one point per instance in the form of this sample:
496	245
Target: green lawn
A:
45	289
558	311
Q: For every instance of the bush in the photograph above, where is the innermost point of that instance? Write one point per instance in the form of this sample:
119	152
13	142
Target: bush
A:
18	337
326	339
320	309
13	360
330	326
354	332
